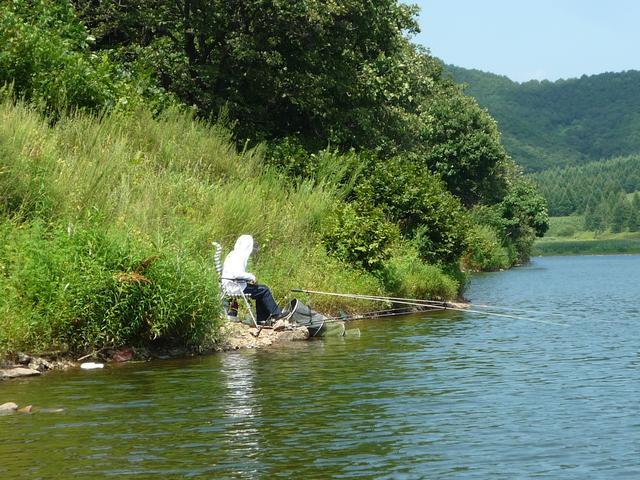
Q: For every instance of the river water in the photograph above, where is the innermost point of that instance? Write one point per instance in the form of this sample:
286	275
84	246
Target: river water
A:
448	395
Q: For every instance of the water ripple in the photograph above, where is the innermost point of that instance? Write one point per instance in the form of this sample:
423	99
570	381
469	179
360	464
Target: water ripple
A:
449	395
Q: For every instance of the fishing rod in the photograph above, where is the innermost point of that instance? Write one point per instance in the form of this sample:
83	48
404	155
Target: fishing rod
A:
399	301
426	303
393	312
379	298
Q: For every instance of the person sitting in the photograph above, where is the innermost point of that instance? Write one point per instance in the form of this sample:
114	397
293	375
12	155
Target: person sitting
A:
236	280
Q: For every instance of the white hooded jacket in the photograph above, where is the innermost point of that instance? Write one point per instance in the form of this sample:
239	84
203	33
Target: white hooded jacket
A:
234	269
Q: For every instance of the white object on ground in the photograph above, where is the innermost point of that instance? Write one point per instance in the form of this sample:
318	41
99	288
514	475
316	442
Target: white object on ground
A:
91	365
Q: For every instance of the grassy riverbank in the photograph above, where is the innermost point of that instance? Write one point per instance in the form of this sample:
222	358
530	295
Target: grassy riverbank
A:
106	225
567	236
357	165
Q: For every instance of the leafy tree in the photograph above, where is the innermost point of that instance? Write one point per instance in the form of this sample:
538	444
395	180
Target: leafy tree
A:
311	68
619	215
634	213
524	202
522	217
316	72
463	146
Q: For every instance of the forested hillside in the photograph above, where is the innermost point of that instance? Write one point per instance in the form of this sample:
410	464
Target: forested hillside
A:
567	122
134	133
599	190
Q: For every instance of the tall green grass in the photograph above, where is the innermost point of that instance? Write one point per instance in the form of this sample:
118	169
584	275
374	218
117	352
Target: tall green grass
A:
82	289
107	223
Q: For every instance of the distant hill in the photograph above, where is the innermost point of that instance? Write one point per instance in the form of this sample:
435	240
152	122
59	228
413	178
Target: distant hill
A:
568	122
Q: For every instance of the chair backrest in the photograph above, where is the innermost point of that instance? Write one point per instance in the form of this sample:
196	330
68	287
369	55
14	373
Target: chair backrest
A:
217	258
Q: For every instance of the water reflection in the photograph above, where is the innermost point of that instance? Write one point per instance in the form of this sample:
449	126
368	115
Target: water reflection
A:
242	408
239	374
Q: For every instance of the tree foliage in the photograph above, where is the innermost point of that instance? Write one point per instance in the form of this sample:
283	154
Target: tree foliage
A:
464	148
518	219
361	235
342	73
45	54
524	211
304	77
309	67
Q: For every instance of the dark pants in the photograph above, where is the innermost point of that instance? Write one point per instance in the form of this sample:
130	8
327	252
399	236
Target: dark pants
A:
265	304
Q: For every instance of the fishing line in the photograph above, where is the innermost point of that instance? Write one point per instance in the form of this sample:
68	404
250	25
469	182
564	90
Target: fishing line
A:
504	315
523	310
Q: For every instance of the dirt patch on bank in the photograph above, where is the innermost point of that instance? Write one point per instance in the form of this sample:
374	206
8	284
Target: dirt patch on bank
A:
239	335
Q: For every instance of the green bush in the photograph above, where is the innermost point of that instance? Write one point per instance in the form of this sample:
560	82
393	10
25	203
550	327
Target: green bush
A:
419	203
44	53
485	252
567	231
361	235
80	288
405	275
518	219
290	157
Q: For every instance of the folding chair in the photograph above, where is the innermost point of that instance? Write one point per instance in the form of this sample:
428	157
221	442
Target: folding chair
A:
226	296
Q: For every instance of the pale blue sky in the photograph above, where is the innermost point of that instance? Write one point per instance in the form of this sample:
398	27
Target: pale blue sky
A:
533	39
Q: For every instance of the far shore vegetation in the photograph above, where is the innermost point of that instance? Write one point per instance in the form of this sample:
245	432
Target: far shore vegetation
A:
568	236
131	138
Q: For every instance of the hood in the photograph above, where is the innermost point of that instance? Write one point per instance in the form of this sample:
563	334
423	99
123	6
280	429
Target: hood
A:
234	269
244	245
